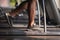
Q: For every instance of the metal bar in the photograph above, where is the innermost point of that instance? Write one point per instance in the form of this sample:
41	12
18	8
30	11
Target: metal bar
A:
38	12
9	20
45	28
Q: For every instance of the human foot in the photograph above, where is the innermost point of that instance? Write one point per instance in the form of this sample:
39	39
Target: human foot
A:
31	26
10	14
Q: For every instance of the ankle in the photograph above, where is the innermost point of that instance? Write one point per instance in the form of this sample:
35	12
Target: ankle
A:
7	14
32	24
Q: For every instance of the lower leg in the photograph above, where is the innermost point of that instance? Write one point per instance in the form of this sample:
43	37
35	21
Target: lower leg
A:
32	11
19	9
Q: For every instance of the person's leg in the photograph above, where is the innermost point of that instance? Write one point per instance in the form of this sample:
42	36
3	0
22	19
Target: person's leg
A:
32	12
31	5
19	9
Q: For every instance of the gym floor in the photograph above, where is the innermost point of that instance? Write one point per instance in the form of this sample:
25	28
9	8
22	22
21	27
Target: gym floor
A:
29	37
